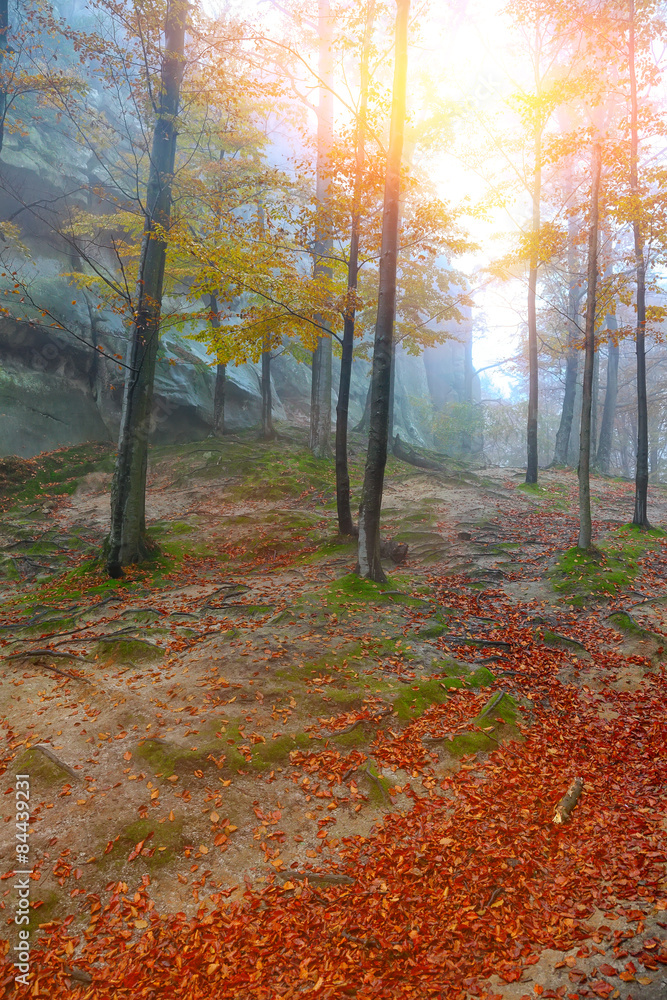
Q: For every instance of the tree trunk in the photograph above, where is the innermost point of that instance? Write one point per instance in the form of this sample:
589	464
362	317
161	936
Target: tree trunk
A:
267	420
320	396
392	394
563	435
345	522
127	537
594	404
220	377
370	565
365	421
611	392
531	431
640	517
585	524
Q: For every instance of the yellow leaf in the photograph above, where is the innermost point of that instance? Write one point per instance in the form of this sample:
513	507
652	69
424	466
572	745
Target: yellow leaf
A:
214	818
141	923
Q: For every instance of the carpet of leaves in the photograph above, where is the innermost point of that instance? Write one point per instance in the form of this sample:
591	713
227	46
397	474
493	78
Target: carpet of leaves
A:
474	880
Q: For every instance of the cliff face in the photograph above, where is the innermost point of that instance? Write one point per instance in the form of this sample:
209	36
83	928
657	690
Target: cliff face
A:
64	386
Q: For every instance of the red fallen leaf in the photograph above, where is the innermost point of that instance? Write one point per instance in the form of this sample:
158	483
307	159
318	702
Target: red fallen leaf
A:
607	970
601	988
651	943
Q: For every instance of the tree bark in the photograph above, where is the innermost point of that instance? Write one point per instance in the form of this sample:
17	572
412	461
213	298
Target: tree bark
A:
531	430
320	396
220	377
609	410
369	564
640	518
267	418
365	421
345	522
585	524
127	538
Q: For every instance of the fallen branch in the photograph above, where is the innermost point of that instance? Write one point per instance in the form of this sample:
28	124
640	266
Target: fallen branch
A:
569	801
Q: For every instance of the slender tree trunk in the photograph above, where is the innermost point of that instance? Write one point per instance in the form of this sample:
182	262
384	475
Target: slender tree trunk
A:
345	522
640	517
594	404
369	564
267	419
4	28
392	396
611	392
127	537
533	385
220	377
365	421
585	523
320	396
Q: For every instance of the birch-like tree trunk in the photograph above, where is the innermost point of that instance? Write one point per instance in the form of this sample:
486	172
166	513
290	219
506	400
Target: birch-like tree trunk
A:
369	564
127	537
320	395
585	522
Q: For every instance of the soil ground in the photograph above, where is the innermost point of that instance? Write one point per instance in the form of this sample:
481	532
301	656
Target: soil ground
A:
245	727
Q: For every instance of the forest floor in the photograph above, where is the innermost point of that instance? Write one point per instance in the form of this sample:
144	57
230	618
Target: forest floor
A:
253	775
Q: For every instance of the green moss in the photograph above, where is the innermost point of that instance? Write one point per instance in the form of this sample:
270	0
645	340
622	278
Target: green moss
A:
482	677
355	738
378	787
603	571
41	769
49	475
277	751
49	908
128	650
168	836
414	700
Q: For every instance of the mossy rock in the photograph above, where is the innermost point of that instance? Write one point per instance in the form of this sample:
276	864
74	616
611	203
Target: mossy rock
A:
128	650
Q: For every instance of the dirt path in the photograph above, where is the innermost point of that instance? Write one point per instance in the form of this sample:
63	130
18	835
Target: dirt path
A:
250	715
